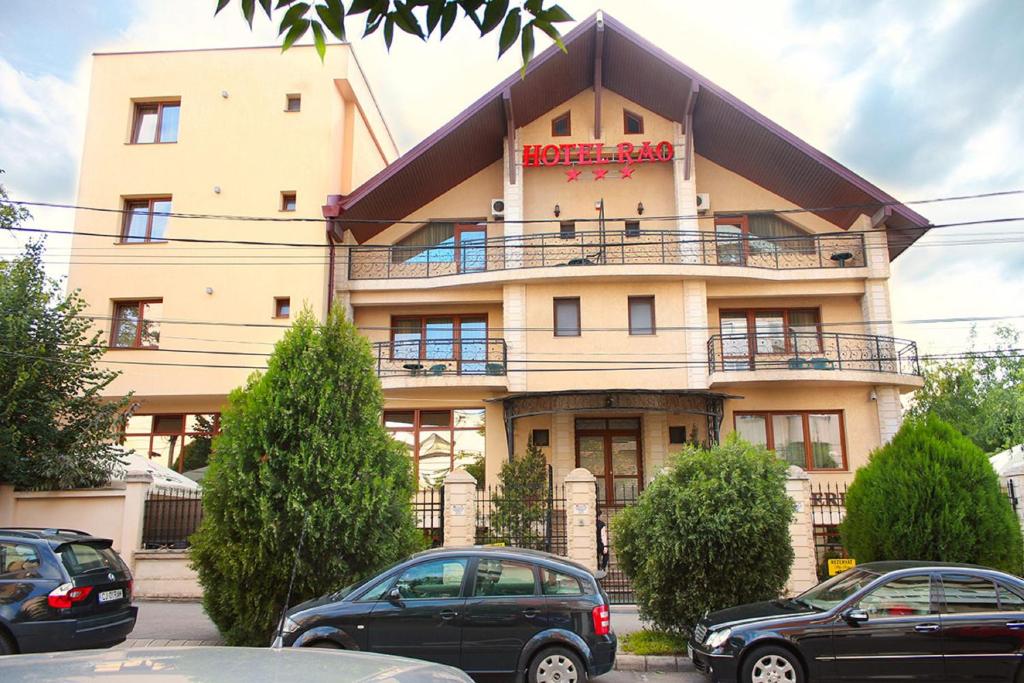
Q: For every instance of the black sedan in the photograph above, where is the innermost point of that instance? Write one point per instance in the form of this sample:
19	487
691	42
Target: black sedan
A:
880	621
483	610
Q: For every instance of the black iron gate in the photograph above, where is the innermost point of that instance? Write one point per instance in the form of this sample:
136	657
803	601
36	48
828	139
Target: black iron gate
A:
615	581
523	519
428	508
828	509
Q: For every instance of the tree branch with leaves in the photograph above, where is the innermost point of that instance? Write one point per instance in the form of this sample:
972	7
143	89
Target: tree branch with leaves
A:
420	18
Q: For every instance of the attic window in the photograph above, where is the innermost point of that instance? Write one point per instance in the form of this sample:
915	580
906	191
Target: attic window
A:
561	126
632	124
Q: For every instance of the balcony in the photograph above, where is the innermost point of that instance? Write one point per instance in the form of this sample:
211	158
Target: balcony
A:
824	356
604	248
442	362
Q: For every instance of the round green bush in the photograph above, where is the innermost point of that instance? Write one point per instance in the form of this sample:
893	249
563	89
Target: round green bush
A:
710	533
302	445
931	494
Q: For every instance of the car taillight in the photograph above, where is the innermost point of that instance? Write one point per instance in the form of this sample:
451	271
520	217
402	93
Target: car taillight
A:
602	620
67	594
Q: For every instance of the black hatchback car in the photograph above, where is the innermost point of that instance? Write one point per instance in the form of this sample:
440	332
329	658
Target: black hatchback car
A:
879	621
483	610
61	590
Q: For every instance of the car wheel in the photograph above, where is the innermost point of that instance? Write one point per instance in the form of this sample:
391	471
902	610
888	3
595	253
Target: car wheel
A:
6	644
772	665
557	665
325	645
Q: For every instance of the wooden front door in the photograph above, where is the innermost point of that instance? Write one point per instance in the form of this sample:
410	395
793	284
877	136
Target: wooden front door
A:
611	449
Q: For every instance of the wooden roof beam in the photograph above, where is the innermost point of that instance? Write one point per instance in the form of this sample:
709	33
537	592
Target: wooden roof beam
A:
691	103
598	72
510	134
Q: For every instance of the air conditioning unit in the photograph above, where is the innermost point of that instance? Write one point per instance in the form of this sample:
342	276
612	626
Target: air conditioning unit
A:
703	202
498	208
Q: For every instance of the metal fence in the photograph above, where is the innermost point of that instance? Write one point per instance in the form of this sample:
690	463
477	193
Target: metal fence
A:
535	520
615	581
812	351
828	509
439	357
1011	492
428	509
607	247
170	517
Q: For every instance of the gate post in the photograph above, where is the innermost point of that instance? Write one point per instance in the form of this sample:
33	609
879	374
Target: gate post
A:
459	509
804	573
581	518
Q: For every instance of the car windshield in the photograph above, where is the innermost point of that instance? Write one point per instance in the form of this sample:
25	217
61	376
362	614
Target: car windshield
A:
830	593
82	558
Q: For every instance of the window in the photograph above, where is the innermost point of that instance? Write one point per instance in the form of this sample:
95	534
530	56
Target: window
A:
784	331
80	558
503	578
282	307
18	561
632	228
557	583
464	245
813	440
567	317
377	592
561	125
155	122
632	124
541	437
136	324
567	230
906	597
145	220
288	201
293	103
460	341
440	579
677	435
438	441
176	440
641	315
966	594
1010	601
763	239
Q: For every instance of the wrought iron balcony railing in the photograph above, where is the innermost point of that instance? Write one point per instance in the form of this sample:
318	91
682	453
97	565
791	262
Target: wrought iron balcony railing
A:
589	248
812	351
441	357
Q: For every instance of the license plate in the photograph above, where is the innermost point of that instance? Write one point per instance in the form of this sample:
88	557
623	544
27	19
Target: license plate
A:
107	596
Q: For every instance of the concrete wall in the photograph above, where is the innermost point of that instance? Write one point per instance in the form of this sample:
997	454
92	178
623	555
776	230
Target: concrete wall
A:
166	574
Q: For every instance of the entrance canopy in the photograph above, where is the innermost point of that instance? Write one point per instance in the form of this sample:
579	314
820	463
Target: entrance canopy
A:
695	402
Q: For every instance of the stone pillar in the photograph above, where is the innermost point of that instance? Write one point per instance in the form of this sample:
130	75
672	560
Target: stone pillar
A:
6	505
890	412
695	319
563	440
514	312
513	196
581	517
136	486
459	509
685	191
804	573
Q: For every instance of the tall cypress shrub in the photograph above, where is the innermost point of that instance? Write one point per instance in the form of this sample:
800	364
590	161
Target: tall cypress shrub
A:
931	494
302	445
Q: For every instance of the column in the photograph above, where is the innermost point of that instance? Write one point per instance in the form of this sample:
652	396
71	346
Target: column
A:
1014	477
685	190
459	509
581	517
136	485
803	574
695	319
655	444
563	438
514	314
890	412
513	196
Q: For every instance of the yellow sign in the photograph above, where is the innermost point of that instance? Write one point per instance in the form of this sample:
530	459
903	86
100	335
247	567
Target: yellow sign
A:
840	565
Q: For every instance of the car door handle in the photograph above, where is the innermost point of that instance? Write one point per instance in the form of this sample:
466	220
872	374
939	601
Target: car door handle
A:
926	628
1015	624
530	612
448	614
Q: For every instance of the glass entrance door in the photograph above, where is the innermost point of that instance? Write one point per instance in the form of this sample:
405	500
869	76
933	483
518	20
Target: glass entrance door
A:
610	449
471	243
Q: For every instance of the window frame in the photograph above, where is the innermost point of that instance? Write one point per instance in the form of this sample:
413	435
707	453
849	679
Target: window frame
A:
631	228
140	305
567	230
769	431
285	196
654	320
567	117
952	574
456	339
287	301
471	585
185	432
554	316
292	97
751	316
137	108
417	428
126	218
935	605
626	114
469	568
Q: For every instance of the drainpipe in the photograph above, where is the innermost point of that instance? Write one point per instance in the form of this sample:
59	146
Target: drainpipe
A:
330	270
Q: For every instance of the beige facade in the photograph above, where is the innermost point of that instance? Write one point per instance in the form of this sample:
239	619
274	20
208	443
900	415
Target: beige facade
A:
237	150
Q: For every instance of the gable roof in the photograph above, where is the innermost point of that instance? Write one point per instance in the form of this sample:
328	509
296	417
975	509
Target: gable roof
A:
726	131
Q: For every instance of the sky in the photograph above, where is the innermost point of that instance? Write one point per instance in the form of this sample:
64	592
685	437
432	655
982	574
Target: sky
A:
921	97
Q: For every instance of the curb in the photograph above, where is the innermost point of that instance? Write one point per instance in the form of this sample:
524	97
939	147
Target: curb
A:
652	663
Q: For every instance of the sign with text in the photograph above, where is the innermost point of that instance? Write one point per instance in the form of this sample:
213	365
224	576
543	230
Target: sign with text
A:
838	565
592	153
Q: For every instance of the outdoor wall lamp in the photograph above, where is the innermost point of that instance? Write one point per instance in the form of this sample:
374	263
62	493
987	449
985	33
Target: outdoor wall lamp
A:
640	208
558	211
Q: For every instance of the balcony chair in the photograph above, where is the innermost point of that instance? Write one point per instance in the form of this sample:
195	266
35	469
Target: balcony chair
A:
799	363
821	364
437	370
495	369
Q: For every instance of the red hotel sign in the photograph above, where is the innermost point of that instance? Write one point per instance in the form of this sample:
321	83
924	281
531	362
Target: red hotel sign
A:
589	153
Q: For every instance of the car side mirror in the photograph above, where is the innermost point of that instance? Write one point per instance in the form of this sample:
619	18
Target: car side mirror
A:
855	616
395	595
